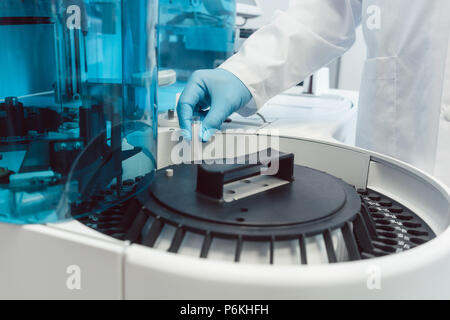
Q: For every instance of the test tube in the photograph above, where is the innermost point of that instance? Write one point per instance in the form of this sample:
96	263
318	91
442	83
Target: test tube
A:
196	143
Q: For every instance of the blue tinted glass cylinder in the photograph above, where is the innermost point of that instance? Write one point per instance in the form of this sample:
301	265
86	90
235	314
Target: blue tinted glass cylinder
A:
77	106
193	35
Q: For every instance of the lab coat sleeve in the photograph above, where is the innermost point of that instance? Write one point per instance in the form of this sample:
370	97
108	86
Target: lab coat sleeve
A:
309	35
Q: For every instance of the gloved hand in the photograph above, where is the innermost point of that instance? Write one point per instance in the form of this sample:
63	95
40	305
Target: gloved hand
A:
220	91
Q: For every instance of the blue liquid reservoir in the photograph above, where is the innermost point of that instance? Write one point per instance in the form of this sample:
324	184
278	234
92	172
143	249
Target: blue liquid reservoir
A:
78	108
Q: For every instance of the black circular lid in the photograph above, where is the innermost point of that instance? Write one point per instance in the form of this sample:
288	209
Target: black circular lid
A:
313	202
303	203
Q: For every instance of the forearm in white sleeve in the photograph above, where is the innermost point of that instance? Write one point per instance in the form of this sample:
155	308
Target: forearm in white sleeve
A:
296	44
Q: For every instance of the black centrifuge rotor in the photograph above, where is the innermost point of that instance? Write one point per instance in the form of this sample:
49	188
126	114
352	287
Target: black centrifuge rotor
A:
312	203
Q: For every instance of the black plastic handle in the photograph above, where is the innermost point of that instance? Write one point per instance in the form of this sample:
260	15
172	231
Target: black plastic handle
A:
212	178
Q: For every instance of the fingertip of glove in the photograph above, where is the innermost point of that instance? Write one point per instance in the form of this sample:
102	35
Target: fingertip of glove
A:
207	134
186	134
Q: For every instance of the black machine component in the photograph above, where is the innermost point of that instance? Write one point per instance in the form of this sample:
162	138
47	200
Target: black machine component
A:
4	175
246	33
13	118
211	179
308	203
105	197
63	153
99	158
18	121
17	21
93	159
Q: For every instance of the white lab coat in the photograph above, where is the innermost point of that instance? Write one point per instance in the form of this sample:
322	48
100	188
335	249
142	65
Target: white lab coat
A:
401	98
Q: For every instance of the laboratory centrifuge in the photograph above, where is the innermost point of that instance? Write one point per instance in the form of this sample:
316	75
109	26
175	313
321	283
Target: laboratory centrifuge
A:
336	222
94	202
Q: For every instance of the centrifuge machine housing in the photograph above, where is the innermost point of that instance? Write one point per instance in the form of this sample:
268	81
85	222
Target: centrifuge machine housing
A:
38	259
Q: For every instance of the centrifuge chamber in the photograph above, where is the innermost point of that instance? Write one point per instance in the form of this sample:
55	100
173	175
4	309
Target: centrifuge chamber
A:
394	245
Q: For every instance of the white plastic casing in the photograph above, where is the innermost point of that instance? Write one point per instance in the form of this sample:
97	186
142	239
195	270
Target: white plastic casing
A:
35	258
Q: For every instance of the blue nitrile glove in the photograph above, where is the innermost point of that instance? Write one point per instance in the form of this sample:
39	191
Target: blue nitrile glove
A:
220	91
